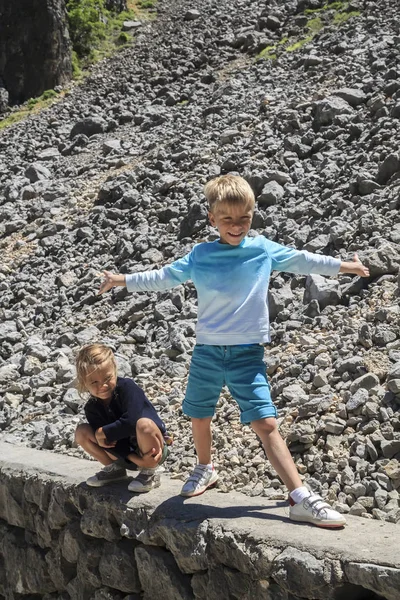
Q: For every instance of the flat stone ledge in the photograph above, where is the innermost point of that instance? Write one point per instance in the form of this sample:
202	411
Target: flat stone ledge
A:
251	535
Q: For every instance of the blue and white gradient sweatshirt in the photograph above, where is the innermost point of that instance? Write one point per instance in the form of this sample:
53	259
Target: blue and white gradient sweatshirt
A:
232	285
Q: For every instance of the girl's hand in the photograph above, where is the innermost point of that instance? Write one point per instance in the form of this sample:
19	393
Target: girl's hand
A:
111	280
356	267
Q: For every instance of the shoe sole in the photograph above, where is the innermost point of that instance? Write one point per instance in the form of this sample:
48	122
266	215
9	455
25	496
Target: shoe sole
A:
143	491
199	493
101	483
318	523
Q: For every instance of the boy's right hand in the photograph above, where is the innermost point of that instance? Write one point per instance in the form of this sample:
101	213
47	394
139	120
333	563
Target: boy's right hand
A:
111	280
151	458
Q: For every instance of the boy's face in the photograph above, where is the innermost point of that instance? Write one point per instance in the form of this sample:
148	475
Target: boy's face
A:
232	221
101	382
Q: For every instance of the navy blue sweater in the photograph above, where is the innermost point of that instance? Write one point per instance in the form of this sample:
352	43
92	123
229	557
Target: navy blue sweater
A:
118	418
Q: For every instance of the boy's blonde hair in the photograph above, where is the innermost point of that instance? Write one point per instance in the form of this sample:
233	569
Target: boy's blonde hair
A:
89	359
231	189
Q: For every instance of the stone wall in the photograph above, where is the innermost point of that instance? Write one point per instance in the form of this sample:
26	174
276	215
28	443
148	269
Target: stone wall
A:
61	539
35	51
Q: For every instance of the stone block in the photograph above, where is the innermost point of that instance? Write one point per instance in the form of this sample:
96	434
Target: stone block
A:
26	567
223	583
99	523
244	554
303	574
380	579
11	502
160	576
118	568
186	541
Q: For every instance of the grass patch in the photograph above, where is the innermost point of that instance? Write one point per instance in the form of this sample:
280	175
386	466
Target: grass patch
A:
268	53
96	32
31	107
337	6
331	6
299	44
315	25
342	17
147	4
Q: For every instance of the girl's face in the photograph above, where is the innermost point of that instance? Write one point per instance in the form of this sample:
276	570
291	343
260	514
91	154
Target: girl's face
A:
101	382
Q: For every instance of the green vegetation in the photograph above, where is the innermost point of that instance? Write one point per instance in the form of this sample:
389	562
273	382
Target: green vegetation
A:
32	106
331	6
268	53
299	44
342	17
314	26
95	32
337	6
146	3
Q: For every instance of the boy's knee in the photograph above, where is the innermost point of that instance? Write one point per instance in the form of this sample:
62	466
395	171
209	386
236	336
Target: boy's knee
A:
145	426
82	433
266	426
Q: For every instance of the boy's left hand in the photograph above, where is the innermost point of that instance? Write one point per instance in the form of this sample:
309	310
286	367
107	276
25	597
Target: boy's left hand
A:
102	440
356	267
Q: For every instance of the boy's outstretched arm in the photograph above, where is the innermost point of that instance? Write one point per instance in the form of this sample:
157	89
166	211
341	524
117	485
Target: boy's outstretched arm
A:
111	280
355	266
155	280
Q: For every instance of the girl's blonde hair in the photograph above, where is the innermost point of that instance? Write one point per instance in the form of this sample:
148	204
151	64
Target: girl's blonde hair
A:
231	189
89	359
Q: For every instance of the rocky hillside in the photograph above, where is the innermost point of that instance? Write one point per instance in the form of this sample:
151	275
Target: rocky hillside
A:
301	98
35	49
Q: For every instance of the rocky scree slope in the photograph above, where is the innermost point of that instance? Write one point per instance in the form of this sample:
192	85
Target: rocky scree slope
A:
112	177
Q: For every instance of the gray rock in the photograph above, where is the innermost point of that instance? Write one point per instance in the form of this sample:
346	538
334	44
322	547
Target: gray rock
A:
353	96
388	168
294	569
325	291
394	386
368	382
271	194
326	110
381	580
9	332
390	448
88	126
359	398
191	15
117	567
170	583
37	172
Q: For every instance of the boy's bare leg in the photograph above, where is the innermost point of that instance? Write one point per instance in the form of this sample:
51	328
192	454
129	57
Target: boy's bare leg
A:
148	436
277	452
84	437
201	429
151	443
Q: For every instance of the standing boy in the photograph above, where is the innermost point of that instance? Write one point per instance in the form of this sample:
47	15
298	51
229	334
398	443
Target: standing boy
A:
231	276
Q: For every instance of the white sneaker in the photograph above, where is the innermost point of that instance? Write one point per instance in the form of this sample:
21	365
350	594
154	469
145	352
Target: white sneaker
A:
200	479
314	510
147	480
108	474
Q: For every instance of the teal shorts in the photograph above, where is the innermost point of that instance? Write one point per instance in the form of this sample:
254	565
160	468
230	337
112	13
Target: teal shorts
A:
241	369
